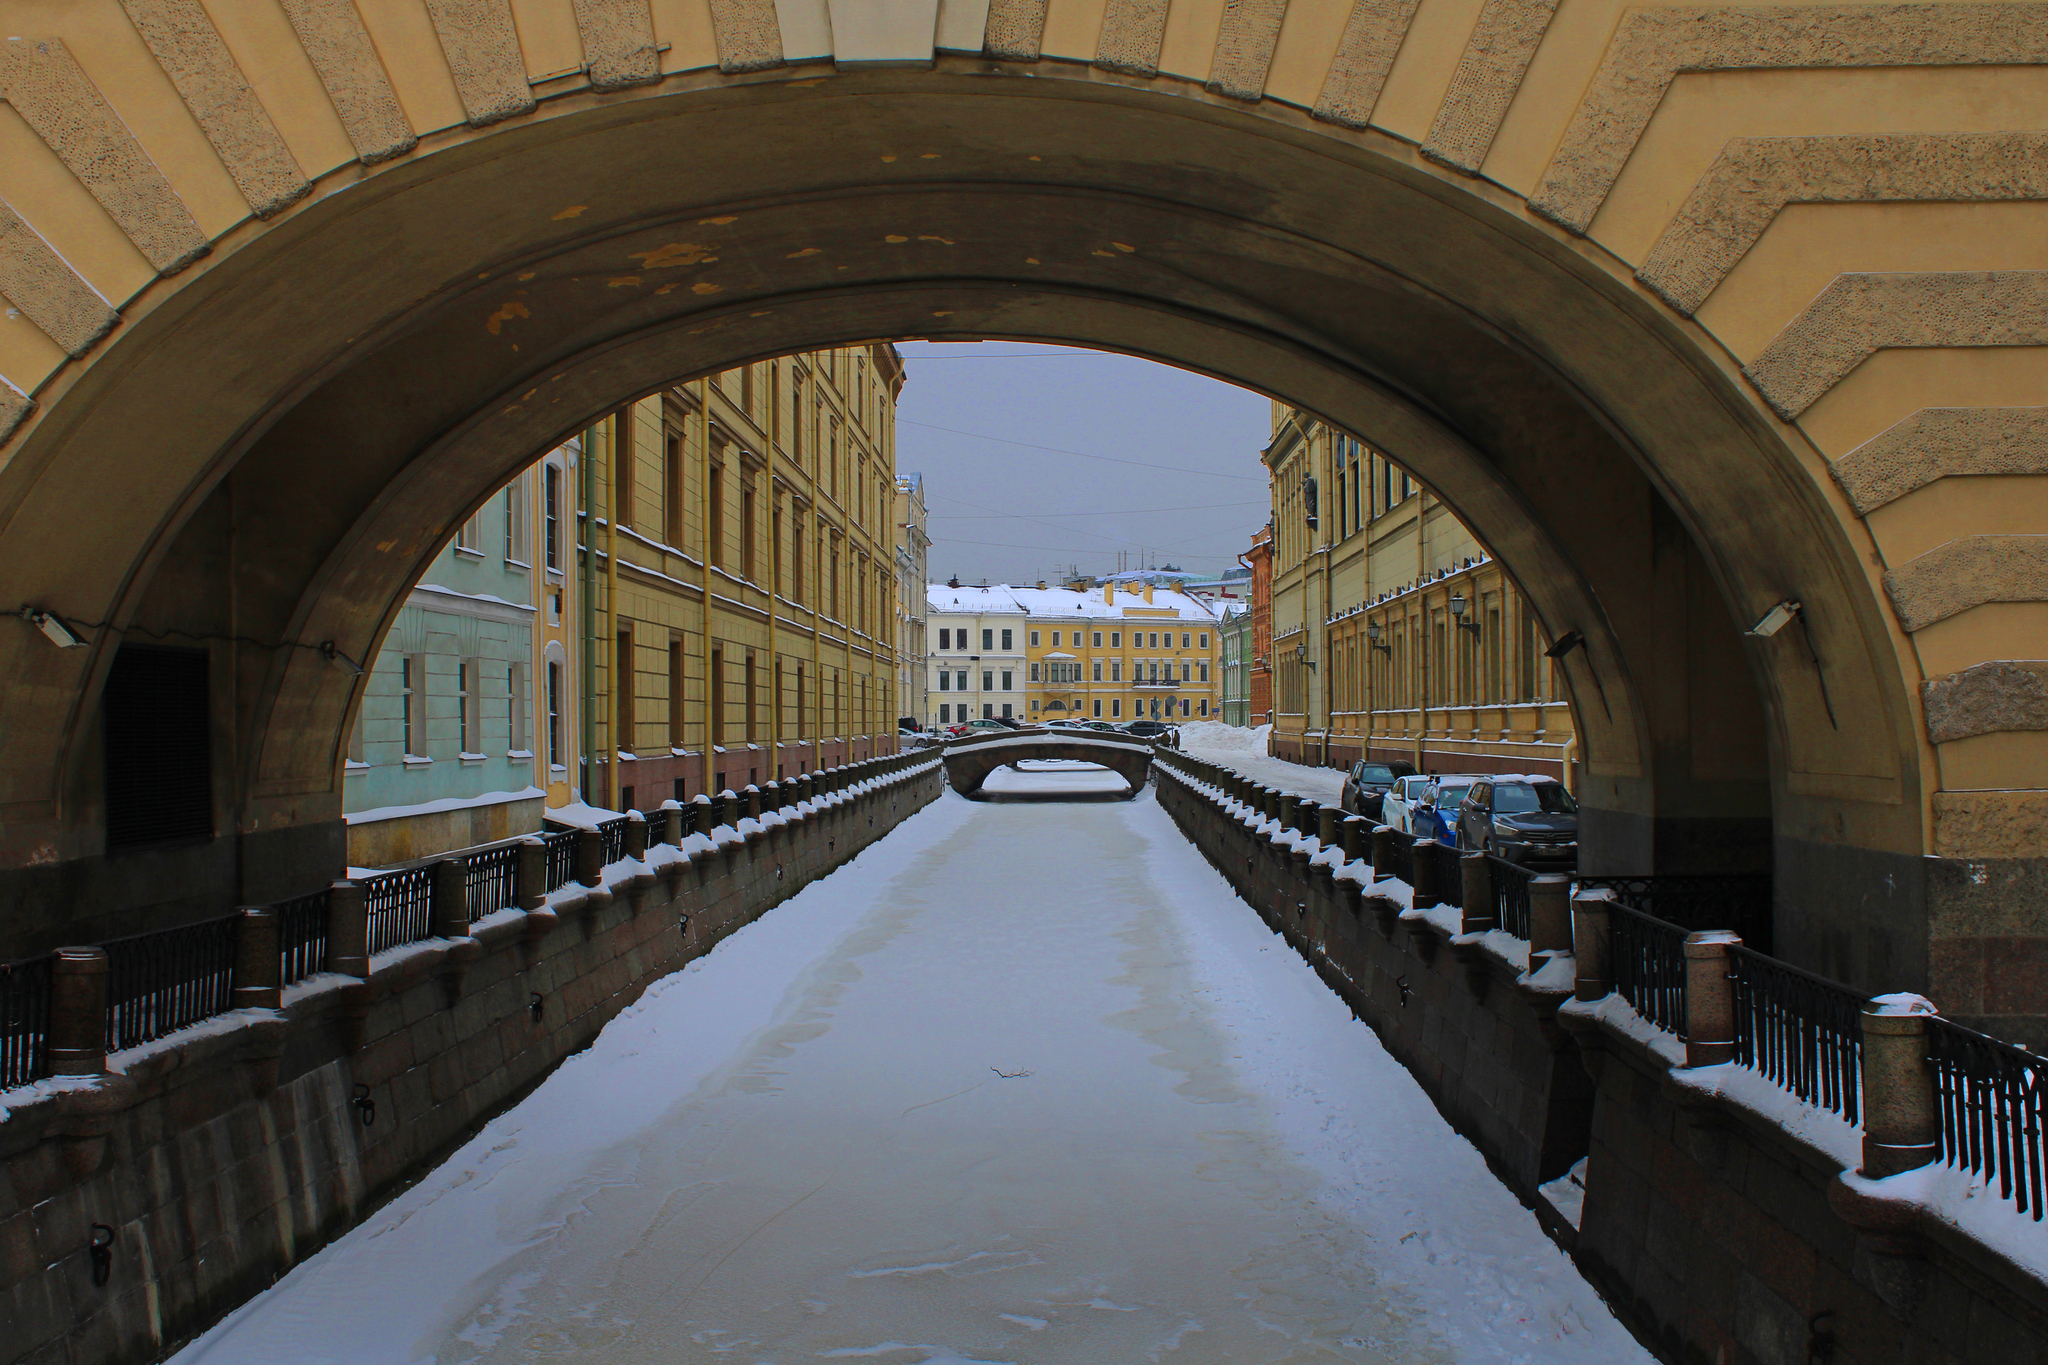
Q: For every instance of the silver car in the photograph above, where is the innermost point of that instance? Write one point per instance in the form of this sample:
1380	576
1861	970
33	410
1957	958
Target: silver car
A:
1397	807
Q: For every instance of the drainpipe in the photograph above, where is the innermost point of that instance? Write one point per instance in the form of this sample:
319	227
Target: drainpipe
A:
622	446
587	582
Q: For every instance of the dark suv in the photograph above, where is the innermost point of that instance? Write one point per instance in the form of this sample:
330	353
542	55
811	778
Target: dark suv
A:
1366	783
1526	820
1154	731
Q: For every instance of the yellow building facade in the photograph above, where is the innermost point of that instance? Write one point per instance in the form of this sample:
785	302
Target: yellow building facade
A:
739	563
1120	653
1396	635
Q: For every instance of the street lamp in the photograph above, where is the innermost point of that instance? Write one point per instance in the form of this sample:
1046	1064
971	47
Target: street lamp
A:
1458	613
1372	637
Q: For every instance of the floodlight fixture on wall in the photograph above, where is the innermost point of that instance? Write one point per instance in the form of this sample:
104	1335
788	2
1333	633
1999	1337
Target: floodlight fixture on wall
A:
1774	620
52	626
1565	644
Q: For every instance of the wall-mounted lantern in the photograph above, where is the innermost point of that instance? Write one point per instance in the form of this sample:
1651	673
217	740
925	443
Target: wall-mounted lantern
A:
1458	605
1372	637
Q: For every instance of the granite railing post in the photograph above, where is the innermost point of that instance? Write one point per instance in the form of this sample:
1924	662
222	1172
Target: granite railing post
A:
1424	865
78	1012
1476	883
448	899
1355	832
671	822
258	981
1550	914
1306	817
348	930
530	874
1382	852
636	834
1709	998
1327	818
1590	929
589	857
1901	1125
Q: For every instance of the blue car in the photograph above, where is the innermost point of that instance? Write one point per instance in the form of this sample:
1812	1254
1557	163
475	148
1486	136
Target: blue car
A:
1436	816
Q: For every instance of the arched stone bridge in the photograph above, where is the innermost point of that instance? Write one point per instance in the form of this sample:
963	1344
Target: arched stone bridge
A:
1688	311
969	761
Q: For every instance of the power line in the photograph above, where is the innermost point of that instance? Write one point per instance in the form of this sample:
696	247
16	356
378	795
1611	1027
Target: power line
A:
1126	512
1081	454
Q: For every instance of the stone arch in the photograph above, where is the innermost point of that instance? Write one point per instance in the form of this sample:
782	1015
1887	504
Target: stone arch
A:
301	306
970	761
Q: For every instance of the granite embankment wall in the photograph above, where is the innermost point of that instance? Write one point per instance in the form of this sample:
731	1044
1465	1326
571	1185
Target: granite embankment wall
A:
211	1161
1715	1217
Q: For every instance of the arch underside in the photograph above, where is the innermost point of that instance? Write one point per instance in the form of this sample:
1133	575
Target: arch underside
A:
969	763
299	419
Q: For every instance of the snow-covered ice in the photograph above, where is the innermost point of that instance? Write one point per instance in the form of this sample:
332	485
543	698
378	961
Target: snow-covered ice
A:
1025	1082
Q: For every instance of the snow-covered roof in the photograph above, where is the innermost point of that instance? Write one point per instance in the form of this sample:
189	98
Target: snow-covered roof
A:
1068	604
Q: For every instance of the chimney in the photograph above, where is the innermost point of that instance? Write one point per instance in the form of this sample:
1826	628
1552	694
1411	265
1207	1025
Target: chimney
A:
954	581
1148	594
1041	585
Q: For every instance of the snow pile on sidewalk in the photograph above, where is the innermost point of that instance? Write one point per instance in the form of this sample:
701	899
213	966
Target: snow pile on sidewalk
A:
1214	736
1318	784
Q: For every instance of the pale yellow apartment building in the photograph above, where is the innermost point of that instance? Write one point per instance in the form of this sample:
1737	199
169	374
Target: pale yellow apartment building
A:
1395	635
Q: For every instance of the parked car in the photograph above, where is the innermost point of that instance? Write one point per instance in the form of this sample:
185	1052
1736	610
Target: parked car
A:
1366	783
1436	815
1157	731
1397	806
1096	725
1526	820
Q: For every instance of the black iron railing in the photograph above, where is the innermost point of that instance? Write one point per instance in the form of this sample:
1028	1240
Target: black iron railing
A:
1648	959
561	857
160	982
25	1020
1511	895
492	880
612	834
302	935
1450	873
1802	1031
1401	865
1739	902
1989	1097
400	907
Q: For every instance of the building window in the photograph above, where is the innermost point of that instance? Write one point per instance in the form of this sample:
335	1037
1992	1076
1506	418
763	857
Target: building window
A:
1205	672
554	700
1184	673
988	641
515	708
1116	639
945	712
1006	642
1098	670
466	726
714	510
675	694
1116	707
551	514
1055	639
945	680
622	689
1006	682
469	533
1098	639
1116	670
1006	711
1204	707
622	466
988	680
1205	639
1183	639
1034	673
1034	639
515	521
960	680
1098	708
945	639
412	697
1183	706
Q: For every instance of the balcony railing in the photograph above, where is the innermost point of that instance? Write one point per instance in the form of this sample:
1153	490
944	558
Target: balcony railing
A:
1648	958
160	982
24	1020
1989	1096
1802	1031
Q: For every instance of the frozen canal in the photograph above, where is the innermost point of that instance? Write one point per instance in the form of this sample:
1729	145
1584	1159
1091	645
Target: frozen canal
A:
1026	1082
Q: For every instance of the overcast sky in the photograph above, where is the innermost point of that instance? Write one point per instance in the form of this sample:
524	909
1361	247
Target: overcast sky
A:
1004	432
